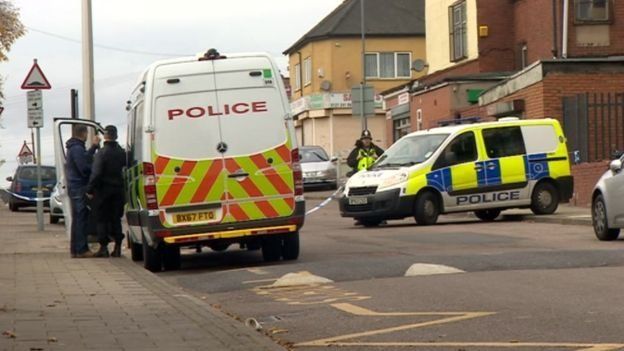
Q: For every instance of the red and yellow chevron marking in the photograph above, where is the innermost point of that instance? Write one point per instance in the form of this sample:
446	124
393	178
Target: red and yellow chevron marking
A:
267	191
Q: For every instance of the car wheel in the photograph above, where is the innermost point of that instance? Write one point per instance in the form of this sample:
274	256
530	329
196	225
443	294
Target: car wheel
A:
136	250
172	259
152	257
54	219
487	215
427	209
545	199
600	221
290	246
271	248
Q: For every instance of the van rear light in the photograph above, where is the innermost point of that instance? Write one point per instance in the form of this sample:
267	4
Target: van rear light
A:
149	186
297	173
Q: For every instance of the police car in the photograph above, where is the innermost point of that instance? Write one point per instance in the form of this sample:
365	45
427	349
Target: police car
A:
482	167
212	160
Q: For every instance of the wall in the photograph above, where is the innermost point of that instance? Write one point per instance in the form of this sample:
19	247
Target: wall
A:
437	27
321	53
435	105
586	176
496	51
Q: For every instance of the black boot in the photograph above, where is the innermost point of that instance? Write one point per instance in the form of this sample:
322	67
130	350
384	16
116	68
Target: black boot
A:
117	249
102	252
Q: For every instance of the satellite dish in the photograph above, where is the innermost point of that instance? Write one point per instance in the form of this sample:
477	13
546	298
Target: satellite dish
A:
419	65
326	85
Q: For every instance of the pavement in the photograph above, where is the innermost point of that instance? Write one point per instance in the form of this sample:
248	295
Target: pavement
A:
49	301
565	214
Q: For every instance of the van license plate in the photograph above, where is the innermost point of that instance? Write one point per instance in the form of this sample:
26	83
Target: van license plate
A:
358	201
204	216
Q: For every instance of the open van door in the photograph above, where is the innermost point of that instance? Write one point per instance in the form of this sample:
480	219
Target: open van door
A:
63	132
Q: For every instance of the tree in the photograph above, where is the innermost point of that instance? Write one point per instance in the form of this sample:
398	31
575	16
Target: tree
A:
11	28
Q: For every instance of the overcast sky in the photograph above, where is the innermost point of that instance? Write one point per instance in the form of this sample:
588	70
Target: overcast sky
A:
178	28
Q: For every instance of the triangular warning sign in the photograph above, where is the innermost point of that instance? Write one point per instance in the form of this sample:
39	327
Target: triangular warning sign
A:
36	79
25	151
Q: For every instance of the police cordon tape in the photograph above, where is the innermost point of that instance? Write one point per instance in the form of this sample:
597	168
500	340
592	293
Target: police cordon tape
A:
25	198
325	202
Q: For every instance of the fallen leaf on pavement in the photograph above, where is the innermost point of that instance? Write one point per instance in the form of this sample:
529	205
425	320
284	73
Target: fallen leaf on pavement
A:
278	331
9	334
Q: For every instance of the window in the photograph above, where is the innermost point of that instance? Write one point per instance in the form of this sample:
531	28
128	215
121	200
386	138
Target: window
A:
503	142
592	10
307	71
540	139
461	150
388	65
297	76
402	127
457	31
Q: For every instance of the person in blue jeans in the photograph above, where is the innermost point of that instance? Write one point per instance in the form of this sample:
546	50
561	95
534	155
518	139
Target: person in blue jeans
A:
78	171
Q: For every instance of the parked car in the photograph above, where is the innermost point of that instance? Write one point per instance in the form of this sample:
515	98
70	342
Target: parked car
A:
607	205
24	185
56	206
318	169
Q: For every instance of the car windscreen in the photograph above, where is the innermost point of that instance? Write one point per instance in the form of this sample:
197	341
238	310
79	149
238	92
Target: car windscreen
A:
313	155
30	173
410	150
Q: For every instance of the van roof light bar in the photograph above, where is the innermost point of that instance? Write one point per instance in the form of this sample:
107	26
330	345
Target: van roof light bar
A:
459	121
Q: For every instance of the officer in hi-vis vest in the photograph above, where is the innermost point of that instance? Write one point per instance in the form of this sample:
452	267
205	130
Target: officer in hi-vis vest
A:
364	154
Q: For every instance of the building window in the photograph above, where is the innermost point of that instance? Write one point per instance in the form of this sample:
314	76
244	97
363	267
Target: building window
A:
388	65
297	77
592	11
402	127
458	32
307	71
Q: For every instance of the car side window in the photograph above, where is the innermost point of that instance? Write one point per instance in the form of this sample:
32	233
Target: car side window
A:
461	150
503	142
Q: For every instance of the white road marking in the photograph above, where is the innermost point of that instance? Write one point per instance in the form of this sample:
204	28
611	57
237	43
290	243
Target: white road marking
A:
419	269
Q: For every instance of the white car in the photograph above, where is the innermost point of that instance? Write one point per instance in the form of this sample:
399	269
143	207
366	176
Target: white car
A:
56	206
607	205
319	170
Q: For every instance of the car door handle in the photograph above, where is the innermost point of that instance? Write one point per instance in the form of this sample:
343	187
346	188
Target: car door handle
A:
238	175
491	166
478	168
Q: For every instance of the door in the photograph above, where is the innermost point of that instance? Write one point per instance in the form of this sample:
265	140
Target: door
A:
454	171
257	149
614	187
504	167
62	133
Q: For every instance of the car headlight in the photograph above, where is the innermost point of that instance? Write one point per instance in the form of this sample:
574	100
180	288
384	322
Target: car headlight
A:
393	180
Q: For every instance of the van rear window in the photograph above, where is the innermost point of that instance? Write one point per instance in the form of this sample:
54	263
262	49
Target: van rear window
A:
30	173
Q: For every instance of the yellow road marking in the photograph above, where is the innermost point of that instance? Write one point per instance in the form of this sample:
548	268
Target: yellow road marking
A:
450	317
577	347
259	281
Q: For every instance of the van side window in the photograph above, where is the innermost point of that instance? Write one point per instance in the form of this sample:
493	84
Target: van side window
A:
503	142
461	150
540	139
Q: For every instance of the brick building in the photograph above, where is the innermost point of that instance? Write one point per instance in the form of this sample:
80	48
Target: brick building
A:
498	58
326	63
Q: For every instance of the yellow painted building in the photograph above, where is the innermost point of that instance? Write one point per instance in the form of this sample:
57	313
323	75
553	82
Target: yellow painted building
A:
440	53
327	62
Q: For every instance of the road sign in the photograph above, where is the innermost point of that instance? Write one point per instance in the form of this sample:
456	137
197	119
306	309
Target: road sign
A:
369	100
35	109
25	154
35	79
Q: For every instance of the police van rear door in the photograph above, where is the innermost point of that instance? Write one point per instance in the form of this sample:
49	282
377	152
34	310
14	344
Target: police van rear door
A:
256	145
186	157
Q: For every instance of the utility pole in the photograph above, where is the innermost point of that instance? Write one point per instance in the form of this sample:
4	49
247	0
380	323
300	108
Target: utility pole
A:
363	84
88	101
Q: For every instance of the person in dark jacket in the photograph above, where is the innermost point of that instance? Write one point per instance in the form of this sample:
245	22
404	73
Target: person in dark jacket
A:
78	171
106	190
364	154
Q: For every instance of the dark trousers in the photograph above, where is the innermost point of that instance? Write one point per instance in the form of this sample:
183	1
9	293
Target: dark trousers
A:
108	206
80	220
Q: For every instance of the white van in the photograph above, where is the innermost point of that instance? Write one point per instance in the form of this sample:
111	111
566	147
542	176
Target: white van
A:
481	167
212	160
